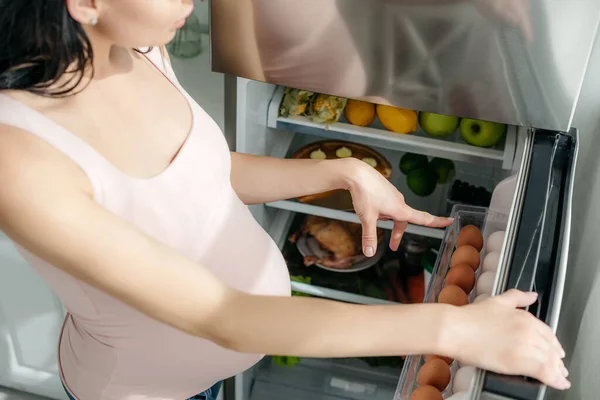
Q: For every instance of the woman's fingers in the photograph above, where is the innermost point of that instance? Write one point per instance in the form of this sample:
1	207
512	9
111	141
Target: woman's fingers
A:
369	236
549	335
397	232
517	299
547	367
425	219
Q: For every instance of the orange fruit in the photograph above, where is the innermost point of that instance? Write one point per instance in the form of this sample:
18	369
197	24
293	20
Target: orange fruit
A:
399	120
359	113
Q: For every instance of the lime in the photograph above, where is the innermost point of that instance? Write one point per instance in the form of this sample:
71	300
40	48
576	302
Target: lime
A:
410	161
422	181
444	169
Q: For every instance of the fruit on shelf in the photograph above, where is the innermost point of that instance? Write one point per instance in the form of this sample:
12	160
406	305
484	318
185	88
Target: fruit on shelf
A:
444	169
318	155
410	161
359	113
422	181
285	361
481	133
326	109
295	102
399	120
343	152
438	125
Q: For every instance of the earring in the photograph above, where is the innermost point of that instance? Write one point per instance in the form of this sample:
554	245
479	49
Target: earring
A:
93	21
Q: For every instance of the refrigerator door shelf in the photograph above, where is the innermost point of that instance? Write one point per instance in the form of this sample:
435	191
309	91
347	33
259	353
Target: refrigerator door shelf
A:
452	147
538	255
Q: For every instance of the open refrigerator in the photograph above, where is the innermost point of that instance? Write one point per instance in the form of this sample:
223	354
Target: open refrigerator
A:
527	177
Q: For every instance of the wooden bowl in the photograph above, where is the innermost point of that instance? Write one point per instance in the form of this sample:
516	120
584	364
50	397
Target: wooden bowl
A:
340	199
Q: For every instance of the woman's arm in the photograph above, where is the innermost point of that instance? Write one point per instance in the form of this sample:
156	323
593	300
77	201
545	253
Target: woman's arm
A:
261	179
46	206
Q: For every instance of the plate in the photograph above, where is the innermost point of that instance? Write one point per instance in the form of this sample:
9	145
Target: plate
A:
308	246
340	199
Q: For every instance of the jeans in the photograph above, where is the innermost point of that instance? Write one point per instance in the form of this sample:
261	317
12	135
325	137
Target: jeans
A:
210	394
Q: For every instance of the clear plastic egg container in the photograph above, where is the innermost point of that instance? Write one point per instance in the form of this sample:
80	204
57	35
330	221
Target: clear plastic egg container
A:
488	222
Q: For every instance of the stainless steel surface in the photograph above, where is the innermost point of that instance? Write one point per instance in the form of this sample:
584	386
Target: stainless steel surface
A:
230	111
514	61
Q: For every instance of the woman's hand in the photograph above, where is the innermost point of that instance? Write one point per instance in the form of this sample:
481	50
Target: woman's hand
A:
497	336
375	198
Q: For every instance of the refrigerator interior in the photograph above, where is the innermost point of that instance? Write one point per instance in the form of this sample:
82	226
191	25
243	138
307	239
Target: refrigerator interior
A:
260	130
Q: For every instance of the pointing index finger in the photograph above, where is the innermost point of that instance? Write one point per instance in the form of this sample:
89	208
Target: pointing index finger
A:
425	219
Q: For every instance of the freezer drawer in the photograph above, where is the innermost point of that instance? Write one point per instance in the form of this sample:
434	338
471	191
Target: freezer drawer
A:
533	255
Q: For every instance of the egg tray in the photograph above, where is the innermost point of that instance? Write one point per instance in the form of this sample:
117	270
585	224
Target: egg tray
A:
488	222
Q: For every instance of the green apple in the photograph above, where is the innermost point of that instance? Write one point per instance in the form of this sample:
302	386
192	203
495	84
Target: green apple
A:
437	124
481	133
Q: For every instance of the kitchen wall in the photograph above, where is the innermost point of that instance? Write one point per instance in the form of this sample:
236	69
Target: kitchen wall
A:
206	87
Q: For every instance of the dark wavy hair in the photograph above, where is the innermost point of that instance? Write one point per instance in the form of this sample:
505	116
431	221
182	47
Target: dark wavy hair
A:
39	43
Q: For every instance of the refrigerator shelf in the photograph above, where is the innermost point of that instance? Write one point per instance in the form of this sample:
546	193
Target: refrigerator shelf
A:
296	206
383	283
333	294
453	148
323	379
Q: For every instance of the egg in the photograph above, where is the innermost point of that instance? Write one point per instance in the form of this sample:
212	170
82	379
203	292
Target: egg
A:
426	393
452	294
466	254
485	283
481	297
495	241
463	276
458	396
462	379
435	373
447	360
470	235
490	262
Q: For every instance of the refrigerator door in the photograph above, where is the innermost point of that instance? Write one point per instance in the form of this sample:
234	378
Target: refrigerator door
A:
537	248
520	62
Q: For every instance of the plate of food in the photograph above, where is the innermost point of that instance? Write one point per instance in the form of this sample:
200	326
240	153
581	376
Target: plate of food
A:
334	245
334	149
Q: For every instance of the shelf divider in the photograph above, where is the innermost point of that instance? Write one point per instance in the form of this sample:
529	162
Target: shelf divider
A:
296	206
336	294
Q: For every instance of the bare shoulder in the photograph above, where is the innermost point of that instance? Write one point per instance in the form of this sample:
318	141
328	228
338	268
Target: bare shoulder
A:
33	171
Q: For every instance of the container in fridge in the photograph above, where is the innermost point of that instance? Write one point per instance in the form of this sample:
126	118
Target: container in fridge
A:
488	222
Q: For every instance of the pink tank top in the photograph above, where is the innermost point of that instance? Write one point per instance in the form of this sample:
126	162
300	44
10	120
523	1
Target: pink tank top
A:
107	349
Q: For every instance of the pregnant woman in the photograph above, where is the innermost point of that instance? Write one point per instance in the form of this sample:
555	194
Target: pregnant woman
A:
121	192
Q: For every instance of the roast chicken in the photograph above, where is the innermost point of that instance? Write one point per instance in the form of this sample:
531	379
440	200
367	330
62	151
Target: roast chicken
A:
343	241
